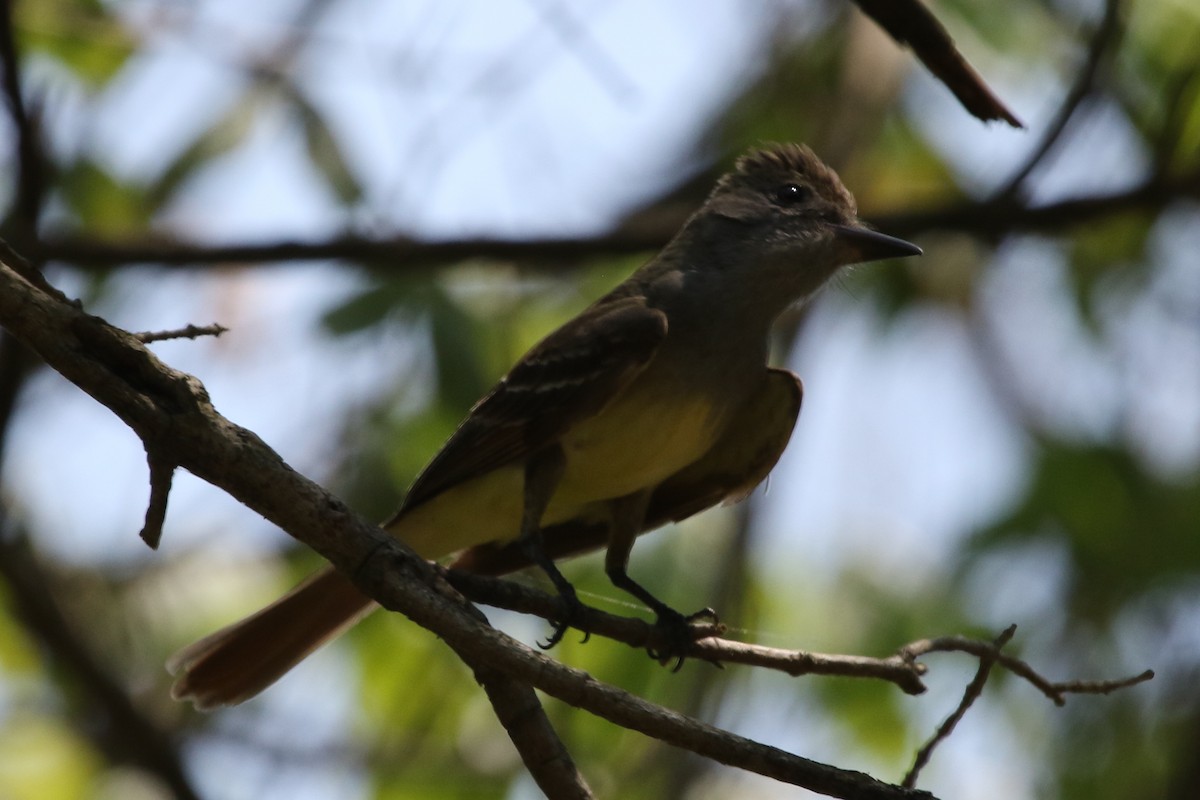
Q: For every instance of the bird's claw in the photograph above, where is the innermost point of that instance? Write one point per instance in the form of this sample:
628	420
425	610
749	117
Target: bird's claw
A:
674	633
573	611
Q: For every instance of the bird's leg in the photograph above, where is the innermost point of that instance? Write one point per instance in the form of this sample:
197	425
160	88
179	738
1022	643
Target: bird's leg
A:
542	474
627	515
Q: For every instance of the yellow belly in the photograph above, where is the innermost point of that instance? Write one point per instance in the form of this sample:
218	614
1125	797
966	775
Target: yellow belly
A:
633	444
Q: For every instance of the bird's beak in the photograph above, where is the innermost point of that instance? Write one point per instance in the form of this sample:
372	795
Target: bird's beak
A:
856	245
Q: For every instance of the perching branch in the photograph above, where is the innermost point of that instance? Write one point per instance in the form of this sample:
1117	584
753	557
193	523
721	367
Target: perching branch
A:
903	668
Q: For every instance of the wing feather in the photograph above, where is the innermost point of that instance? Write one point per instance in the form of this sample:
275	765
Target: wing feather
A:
570	375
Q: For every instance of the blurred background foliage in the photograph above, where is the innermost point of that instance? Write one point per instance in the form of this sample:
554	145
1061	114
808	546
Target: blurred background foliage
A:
1007	429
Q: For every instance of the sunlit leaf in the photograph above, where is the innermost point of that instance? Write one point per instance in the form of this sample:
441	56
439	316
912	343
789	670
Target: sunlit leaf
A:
80	34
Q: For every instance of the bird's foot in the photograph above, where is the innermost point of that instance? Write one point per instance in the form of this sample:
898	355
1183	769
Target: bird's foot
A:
675	632
573	610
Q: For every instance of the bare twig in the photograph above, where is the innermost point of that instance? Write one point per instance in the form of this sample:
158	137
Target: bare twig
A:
909	22
970	695
1055	691
1104	41
188	332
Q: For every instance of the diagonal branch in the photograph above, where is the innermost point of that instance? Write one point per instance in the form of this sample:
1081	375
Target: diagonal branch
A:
910	23
972	693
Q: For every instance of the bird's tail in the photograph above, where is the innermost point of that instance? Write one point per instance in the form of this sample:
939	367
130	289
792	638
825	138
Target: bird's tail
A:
239	661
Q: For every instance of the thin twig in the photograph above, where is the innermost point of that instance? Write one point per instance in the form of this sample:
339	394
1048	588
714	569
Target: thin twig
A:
1103	42
1055	691
903	669
903	672
188	332
970	695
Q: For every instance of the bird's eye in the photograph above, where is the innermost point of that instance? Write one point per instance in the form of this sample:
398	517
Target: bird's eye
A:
791	194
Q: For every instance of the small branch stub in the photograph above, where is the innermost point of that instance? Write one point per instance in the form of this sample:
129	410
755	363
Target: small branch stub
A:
189	332
162	472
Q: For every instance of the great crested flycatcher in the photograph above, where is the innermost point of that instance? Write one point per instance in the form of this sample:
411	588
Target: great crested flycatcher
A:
654	403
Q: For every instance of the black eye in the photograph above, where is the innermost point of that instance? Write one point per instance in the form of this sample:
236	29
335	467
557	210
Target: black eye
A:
791	194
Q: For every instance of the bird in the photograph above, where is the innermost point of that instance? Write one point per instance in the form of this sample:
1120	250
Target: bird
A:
654	403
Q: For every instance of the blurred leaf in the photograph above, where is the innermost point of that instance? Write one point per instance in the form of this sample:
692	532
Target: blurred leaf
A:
1128	532
80	34
367	308
1096	251
902	170
871	712
222	136
41	760
791	99
17	654
456	344
324	150
1006	28
104	205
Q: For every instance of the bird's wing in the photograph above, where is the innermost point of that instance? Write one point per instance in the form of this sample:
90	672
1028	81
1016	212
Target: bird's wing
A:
728	472
570	375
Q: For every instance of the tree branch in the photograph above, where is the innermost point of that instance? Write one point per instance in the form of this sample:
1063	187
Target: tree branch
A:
903	669
989	219
910	23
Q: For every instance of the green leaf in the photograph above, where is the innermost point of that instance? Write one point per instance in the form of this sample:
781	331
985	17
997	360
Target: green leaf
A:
457	341
222	136
80	34
369	307
103	204
1127	531
325	152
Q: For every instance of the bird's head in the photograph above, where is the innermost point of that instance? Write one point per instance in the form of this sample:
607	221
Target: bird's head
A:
782	204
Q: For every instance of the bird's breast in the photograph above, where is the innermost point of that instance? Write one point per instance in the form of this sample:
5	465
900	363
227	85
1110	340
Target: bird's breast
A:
636	442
